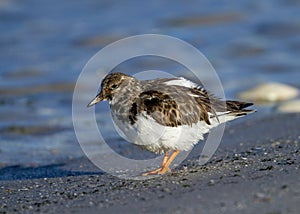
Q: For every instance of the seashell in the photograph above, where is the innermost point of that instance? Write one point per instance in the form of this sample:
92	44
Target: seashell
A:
270	92
290	106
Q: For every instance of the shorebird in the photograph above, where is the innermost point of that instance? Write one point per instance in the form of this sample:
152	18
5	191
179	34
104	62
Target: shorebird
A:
164	115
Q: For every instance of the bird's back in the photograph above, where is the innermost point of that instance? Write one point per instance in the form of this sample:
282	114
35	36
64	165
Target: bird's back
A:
177	101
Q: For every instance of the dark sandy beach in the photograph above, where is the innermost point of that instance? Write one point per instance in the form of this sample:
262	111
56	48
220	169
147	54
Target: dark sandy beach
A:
255	170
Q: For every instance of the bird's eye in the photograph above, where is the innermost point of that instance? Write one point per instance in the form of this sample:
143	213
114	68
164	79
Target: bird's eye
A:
114	86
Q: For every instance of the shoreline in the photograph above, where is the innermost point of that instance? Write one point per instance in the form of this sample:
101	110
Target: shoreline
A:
255	169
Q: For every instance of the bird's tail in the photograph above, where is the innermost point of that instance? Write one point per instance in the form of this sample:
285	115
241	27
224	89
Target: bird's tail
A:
237	108
233	110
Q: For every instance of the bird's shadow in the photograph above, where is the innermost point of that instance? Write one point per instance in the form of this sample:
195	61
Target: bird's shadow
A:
49	171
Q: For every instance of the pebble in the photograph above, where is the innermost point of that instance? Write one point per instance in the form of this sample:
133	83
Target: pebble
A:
166	189
211	182
261	197
270	92
290	106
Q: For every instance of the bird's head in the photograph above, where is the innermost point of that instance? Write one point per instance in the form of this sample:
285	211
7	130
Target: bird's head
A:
109	86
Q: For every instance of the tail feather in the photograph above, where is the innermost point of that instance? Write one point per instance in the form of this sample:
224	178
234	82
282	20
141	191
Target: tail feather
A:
234	106
234	109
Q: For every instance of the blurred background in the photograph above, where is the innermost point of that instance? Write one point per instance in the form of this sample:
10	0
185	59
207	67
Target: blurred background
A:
45	44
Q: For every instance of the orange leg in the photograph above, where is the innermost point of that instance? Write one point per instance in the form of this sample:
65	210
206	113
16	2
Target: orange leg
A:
165	159
154	172
164	165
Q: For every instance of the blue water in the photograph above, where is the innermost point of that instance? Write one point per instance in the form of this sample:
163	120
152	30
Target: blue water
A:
45	44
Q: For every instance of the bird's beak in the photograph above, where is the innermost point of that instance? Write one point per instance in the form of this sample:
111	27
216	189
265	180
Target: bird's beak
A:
96	100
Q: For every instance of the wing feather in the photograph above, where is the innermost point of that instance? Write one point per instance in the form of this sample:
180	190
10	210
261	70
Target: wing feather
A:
177	101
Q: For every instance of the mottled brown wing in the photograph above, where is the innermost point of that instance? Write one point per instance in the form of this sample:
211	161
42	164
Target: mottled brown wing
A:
217	106
171	108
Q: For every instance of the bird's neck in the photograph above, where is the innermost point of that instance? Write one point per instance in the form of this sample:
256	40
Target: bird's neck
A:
126	95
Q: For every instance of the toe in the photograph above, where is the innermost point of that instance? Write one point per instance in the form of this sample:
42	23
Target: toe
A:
164	170
154	172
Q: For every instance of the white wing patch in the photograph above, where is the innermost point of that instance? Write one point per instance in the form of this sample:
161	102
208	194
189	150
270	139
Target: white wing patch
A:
186	83
182	82
193	95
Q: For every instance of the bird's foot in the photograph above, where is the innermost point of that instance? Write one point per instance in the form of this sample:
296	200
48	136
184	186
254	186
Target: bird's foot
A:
159	171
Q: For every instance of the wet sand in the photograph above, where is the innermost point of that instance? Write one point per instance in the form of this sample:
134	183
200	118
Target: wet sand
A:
255	170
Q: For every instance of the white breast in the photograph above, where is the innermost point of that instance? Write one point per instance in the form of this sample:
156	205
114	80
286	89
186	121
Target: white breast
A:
147	133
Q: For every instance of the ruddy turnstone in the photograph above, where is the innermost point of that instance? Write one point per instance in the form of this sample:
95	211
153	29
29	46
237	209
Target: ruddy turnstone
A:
164	115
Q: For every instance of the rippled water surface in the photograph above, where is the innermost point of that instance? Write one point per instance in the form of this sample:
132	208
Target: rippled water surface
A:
45	44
